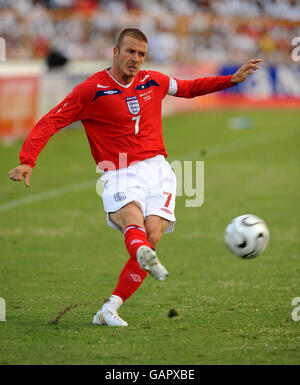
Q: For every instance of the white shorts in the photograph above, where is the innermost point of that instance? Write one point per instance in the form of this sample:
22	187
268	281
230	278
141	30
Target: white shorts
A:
151	184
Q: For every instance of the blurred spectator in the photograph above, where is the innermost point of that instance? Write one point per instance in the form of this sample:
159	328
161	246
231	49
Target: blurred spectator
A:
56	59
181	30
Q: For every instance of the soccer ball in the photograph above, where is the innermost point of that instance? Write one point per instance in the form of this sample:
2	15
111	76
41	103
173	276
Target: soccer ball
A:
247	236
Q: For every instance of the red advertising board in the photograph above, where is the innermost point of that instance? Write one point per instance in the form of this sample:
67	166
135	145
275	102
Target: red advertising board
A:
19	99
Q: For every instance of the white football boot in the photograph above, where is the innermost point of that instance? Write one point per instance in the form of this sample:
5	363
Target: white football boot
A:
108	317
148	261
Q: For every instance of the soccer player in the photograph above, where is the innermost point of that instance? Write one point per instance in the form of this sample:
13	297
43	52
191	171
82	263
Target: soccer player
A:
120	109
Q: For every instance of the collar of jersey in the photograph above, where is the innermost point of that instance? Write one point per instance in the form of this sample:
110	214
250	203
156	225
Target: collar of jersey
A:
121	85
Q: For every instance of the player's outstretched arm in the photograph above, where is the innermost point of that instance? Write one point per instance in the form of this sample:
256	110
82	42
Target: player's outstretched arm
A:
21	172
245	70
71	109
207	85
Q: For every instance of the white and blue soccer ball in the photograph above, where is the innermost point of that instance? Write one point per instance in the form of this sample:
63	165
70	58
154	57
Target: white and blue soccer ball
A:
247	236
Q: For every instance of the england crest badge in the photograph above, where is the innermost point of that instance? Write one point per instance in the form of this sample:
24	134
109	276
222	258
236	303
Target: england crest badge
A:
133	105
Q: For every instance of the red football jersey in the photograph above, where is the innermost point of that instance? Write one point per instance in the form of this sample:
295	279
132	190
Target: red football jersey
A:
118	119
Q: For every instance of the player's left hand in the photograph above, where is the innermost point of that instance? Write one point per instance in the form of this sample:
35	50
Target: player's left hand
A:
246	69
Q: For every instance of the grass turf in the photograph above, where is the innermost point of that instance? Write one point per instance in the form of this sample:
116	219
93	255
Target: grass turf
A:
59	260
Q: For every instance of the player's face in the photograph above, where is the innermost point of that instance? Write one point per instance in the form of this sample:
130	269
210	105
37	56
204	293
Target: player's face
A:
130	57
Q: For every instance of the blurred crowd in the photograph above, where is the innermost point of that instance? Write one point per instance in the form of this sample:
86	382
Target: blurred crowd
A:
223	31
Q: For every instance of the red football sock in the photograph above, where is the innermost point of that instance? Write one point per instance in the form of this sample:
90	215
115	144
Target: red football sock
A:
132	274
135	236
130	279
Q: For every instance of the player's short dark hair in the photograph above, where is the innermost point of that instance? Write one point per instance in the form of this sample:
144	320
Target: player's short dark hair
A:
133	32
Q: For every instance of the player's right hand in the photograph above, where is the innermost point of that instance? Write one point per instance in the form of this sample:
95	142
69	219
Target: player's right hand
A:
21	172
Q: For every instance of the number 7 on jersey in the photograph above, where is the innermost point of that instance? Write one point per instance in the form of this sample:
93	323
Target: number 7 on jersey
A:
137	124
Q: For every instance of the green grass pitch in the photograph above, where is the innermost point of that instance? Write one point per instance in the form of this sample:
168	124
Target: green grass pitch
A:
59	260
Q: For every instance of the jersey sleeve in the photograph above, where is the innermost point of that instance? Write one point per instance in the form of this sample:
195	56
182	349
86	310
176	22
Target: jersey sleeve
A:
162	80
72	109
198	87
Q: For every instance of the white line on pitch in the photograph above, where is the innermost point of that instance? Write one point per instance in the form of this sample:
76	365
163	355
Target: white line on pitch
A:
47	194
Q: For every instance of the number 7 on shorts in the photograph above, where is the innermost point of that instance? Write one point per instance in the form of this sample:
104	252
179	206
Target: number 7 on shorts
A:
168	198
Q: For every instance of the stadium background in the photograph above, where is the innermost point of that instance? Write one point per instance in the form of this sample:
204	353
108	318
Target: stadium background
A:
188	38
57	263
